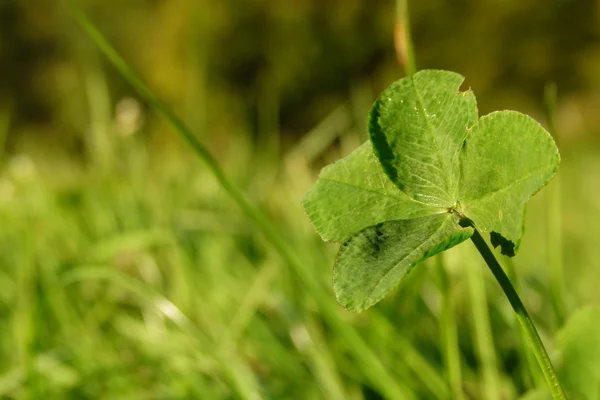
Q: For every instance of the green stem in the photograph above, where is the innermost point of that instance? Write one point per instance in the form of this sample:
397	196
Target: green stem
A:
524	319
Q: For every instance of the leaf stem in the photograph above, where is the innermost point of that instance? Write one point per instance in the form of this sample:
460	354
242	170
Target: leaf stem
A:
524	319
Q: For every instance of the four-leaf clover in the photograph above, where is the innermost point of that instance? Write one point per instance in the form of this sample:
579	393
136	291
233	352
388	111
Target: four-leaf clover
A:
431	173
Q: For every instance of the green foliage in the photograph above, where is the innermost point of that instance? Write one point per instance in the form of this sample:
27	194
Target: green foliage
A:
580	344
432	170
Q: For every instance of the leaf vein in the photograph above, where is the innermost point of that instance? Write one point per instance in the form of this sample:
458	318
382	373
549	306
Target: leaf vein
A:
418	249
507	187
404	197
430	129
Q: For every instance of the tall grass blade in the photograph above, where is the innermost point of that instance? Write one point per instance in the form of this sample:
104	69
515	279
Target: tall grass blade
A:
449	331
554	236
403	40
483	339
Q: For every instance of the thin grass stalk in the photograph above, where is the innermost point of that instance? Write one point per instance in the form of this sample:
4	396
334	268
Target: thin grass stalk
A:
530	372
99	143
403	39
449	331
322	362
484	343
403	349
554	228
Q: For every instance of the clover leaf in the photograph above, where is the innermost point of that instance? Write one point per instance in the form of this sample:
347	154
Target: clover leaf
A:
431	172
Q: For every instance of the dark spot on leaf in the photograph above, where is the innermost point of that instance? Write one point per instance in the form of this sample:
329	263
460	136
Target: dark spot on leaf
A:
377	238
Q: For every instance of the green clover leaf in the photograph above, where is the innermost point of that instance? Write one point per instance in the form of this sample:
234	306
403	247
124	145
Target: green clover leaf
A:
431	166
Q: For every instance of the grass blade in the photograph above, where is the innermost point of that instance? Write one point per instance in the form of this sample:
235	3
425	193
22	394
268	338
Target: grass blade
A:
554	237
449	331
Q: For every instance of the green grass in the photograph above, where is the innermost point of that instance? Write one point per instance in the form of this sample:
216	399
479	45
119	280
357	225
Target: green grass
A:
133	275
146	282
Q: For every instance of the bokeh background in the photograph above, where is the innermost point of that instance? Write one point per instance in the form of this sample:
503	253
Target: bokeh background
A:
126	272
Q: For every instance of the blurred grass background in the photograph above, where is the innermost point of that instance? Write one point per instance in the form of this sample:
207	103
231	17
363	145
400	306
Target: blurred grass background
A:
127	273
